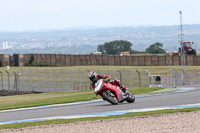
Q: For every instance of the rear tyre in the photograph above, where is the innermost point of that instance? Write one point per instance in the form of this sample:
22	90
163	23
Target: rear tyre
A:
130	98
110	97
194	52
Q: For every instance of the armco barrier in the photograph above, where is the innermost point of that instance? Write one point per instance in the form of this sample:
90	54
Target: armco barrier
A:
88	60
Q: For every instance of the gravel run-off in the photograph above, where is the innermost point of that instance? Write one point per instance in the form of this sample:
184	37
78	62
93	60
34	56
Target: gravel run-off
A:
166	123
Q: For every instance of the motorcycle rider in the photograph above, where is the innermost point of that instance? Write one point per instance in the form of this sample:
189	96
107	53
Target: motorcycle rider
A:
94	78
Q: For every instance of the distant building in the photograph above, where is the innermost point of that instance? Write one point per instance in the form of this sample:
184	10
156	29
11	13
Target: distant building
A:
125	53
96	53
6	45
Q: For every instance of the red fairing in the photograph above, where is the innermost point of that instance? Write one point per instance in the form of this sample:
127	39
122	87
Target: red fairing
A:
114	88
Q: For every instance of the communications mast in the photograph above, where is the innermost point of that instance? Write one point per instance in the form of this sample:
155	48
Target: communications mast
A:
181	42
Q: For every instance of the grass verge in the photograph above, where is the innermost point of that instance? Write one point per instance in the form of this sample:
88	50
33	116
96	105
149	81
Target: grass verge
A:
32	100
65	121
152	69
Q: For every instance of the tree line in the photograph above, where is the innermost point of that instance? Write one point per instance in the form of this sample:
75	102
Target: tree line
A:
118	46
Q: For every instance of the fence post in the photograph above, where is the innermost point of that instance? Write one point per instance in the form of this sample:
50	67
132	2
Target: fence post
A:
184	77
108	72
15	82
80	79
97	71
131	79
197	77
120	74
38	78
1	80
22	77
8	80
173	78
47	79
63	77
31	79
176	77
149	76
139	78
72	81
55	85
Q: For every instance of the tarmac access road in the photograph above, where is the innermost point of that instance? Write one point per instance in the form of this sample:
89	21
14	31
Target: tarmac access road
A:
151	101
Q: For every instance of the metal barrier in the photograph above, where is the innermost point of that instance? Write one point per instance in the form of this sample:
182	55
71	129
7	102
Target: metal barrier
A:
64	80
181	78
74	80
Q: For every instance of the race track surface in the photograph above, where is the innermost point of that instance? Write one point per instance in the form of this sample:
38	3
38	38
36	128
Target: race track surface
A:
151	101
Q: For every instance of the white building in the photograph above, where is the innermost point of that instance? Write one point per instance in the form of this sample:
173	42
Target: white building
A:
6	45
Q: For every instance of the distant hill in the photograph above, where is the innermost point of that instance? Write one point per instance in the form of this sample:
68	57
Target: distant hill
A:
82	41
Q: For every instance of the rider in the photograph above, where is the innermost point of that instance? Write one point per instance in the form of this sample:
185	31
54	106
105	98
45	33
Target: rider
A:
94	78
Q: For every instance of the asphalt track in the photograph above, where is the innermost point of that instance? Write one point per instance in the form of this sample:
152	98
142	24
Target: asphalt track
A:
155	100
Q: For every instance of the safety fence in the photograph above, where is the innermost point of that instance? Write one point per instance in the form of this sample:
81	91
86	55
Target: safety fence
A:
74	80
177	78
64	80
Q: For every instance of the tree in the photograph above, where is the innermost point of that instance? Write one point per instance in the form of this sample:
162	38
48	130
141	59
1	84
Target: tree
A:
100	48
115	47
155	48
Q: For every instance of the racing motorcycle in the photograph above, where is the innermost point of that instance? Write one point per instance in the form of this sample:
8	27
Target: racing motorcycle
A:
112	93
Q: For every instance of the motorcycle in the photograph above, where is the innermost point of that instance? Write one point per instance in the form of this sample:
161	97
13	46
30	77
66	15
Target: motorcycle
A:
112	93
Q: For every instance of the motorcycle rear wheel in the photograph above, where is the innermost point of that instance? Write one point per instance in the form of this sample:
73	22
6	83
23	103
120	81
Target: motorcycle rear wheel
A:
130	98
106	94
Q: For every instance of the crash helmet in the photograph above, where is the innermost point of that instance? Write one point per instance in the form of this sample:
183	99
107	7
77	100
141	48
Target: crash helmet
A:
93	76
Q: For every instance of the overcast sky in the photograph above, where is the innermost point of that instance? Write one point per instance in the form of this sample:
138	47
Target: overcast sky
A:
20	15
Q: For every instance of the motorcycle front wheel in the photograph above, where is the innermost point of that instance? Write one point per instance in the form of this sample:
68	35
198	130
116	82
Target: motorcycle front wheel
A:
110	97
130	98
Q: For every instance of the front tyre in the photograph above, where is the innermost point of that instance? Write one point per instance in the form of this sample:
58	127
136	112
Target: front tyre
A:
110	97
130	98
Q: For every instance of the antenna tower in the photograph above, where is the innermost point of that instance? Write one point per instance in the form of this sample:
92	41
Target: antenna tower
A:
181	42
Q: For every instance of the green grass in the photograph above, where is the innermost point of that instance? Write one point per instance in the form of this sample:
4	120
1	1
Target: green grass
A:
31	100
151	69
162	70
65	121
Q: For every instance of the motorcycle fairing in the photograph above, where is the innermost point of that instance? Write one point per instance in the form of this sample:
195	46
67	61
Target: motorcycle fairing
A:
114	88
98	86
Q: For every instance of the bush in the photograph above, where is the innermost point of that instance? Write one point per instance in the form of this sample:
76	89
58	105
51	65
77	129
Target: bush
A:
31	62
39	64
